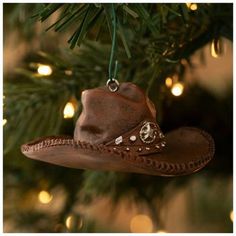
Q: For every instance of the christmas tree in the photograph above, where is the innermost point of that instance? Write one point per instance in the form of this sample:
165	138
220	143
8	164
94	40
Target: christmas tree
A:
179	54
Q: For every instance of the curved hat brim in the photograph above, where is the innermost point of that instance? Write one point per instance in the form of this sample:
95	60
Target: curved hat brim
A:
187	150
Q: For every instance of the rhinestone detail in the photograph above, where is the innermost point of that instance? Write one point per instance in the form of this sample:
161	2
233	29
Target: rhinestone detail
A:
118	140
163	144
132	138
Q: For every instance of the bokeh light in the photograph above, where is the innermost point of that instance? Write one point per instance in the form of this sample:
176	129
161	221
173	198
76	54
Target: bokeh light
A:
69	222
231	215
141	224
169	82
44	70
4	121
73	222
213	50
68	72
69	110
193	6
177	89
45	197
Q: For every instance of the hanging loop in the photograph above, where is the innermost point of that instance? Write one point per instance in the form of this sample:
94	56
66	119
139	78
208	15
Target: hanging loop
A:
113	85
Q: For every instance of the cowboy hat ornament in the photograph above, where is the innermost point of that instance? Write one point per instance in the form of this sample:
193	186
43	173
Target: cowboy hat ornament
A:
117	131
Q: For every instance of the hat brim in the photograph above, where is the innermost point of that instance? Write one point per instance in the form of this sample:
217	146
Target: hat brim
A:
187	150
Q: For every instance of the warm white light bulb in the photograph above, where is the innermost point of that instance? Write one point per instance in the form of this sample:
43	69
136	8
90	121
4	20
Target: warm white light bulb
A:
193	6
68	72
213	50
177	89
45	197
4	121
44	70
168	82
69	110
141	224
231	216
68	222
73	222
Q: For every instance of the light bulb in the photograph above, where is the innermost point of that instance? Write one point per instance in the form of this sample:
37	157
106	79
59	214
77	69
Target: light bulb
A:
193	7
45	197
169	82
141	224
216	48
73	222
177	89
231	216
68	72
69	110
69	222
44	70
4	121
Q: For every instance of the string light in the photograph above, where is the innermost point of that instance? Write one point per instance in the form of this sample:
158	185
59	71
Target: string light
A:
69	222
231	216
69	110
216	48
45	197
192	6
141	224
177	89
44	70
73	222
213	50
4	121
169	82
68	72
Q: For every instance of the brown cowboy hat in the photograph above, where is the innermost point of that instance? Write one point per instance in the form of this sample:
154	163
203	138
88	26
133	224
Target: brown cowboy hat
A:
118	131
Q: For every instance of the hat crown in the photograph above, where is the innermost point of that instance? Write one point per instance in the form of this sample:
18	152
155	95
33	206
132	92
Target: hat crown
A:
107	115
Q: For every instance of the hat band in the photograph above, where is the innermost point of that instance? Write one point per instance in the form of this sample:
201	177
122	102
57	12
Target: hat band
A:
146	138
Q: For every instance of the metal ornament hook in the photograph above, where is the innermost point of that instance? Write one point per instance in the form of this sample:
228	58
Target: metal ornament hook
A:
113	85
